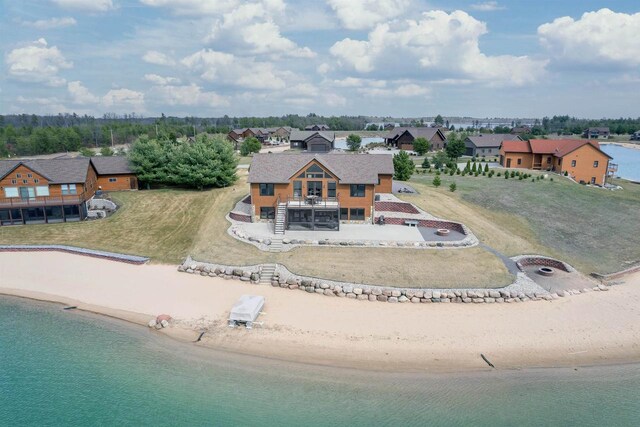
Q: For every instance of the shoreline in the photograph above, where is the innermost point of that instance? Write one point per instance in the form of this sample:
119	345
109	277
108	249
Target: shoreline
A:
588	330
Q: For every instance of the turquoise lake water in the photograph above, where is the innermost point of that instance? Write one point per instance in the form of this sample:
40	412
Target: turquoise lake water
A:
628	160
72	368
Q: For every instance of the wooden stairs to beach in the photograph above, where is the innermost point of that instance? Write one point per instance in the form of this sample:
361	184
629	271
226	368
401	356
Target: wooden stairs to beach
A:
266	274
280	218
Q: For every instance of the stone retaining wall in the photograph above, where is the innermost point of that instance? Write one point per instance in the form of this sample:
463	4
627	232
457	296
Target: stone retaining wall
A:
129	259
522	290
542	261
617	274
428	223
240	217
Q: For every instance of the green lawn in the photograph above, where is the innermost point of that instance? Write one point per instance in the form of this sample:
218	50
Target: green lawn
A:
591	228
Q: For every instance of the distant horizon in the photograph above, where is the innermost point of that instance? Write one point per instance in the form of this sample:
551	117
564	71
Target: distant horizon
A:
377	58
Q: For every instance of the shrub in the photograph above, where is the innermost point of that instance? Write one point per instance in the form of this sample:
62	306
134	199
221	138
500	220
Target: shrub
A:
483	159
403	166
475	174
107	151
551	179
520	178
533	180
437	173
541	176
506	175
250	145
458	172
451	172
86	152
452	187
486	168
426	164
353	142
437	181
499	174
421	145
513	174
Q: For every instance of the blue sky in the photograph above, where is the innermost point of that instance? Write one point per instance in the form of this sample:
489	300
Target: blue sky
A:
401	58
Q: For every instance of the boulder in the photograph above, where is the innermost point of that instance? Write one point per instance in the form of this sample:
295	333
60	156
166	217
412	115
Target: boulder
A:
318	290
324	286
436	294
403	299
396	293
489	300
499	300
329	293
376	291
372	297
152	323
362	297
351	295
382	298
337	289
415	300
467	300
478	300
446	300
494	294
357	291
294	286
164	323
603	287
392	299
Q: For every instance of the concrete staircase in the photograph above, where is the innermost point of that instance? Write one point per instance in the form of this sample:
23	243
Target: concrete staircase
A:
280	218
276	245
266	274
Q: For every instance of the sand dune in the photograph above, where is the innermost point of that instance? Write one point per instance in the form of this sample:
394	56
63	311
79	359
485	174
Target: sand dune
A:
598	327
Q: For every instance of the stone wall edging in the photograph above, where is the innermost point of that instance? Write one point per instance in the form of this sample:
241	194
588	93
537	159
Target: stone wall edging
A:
129	259
544	261
523	289
617	274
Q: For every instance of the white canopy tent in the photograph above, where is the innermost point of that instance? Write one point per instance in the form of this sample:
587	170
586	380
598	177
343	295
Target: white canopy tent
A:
246	310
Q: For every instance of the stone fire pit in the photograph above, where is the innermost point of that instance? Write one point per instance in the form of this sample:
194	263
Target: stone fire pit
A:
442	232
545	271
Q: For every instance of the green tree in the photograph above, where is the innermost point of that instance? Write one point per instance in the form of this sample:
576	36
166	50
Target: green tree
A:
149	158
403	166
426	164
86	152
437	181
439	120
353	142
455	146
486	168
250	145
440	159
473	168
107	151
421	146
453	187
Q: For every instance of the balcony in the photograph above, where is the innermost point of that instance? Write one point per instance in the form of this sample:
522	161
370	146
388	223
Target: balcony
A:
315	202
41	201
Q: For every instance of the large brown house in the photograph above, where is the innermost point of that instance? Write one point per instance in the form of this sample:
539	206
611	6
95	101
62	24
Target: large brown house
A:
582	160
55	190
317	191
403	137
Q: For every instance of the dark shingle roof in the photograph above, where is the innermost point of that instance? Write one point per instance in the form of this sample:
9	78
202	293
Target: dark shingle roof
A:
111	165
57	171
492	139
303	135
424	132
348	168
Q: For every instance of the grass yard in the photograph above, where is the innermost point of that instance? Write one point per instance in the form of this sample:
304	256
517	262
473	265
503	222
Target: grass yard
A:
591	228
161	224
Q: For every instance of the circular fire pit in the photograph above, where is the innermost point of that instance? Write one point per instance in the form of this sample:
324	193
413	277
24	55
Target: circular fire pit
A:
442	232
545	271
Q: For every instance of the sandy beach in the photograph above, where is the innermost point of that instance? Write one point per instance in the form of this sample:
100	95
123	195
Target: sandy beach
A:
593	328
635	145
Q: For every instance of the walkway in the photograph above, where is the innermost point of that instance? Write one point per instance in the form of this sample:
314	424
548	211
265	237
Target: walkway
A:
508	262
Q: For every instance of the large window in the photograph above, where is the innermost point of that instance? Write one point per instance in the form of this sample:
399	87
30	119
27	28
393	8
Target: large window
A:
344	214
297	188
315	171
68	189
357	190
11	191
357	214
42	190
267	213
266	189
331	189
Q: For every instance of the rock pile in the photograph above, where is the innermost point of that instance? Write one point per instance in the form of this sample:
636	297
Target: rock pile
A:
236	273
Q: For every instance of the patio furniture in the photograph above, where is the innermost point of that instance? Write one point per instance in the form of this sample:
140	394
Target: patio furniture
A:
411	222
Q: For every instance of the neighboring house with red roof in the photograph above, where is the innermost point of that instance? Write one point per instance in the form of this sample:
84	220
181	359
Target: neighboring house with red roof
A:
582	160
403	137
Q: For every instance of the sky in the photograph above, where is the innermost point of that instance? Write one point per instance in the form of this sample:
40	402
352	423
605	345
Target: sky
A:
399	58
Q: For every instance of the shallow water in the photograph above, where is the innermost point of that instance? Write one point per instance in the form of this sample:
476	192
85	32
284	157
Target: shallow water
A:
628	160
72	368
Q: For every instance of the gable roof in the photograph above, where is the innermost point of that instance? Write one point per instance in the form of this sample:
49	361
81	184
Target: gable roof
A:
416	132
561	147
111	165
347	168
515	146
491	139
303	135
56	171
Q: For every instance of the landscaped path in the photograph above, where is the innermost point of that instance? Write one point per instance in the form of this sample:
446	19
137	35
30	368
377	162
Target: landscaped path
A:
508	262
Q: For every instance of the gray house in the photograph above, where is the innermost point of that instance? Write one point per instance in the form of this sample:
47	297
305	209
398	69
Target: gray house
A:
487	144
314	141
403	137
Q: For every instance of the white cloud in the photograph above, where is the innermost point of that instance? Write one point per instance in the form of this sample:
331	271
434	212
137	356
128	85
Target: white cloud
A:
38	63
86	5
596	38
161	81
358	82
323	68
436	44
80	94
194	7
253	25
363	14
228	69
47	24
487	6
158	58
191	95
411	90
124	98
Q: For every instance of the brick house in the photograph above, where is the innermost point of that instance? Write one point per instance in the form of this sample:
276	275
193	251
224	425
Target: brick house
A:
486	144
317	191
581	160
